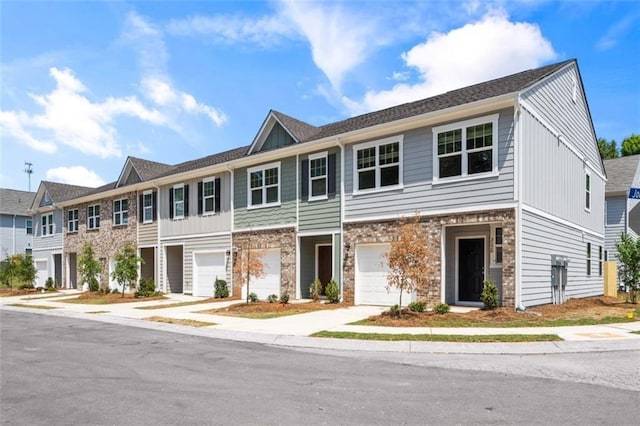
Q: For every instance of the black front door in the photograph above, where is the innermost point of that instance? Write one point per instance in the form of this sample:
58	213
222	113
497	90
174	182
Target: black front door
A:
470	269
325	266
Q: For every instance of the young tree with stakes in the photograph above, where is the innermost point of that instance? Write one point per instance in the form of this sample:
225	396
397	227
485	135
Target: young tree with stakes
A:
249	266
126	268
89	267
629	257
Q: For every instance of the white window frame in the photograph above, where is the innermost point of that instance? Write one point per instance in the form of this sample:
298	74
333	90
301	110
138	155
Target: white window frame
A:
121	212
174	206
318	156
73	222
377	167
211	180
28	224
146	208
264	187
93	220
46	222
495	245
462	126
587	191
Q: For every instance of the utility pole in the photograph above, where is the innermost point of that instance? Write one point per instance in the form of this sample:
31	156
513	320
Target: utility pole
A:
28	170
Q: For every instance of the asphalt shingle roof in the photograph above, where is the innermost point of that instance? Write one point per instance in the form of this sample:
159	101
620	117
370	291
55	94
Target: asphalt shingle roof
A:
13	201
63	192
149	169
620	172
210	160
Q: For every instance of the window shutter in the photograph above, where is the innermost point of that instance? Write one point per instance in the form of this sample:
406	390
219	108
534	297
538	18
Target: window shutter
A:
217	195
304	178
154	203
331	174
186	200
199	198
170	203
141	208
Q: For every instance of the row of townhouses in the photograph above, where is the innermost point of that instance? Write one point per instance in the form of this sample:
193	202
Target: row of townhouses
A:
505	176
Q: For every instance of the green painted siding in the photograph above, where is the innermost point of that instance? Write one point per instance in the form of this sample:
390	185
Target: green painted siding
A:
321	214
277	138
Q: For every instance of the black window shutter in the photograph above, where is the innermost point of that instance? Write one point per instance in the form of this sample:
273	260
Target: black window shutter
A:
217	195
170	203
304	178
186	200
199	198
154	204
141	208
331	174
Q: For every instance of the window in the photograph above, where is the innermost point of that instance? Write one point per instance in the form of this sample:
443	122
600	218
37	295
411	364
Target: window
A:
588	259
28	252
318	175
378	164
264	185
465	149
497	242
93	216
208	196
120	212
47	224
600	260
178	201
72	220
28	226
147	207
587	191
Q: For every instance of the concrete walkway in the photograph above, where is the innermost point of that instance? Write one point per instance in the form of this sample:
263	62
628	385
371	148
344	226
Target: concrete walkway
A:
293	330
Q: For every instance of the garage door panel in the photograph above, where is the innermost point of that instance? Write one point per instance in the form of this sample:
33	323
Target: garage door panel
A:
269	283
42	272
371	277
207	266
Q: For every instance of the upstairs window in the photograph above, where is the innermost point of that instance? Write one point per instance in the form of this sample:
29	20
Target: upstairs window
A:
93	217
378	164
147	206
179	201
264	185
72	220
28	226
121	212
318	175
587	191
588	259
47	224
209	196
465	149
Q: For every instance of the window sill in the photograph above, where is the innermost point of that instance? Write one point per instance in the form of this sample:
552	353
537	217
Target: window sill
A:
456	179
147	222
264	206
318	198
378	190
72	232
177	218
207	214
122	225
94	229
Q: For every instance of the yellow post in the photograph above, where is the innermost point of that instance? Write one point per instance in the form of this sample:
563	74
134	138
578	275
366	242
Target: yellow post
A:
611	279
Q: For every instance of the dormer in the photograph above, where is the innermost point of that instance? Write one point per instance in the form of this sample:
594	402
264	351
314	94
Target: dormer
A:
280	130
137	170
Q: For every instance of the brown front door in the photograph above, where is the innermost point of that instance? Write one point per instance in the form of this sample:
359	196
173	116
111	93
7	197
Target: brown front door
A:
325	265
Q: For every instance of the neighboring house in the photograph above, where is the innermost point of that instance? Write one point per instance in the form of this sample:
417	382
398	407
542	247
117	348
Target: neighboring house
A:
16	226
622	213
48	241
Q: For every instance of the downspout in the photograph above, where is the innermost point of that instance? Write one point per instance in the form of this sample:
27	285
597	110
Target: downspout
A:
231	225
298	285
517	114
158	236
14	234
342	161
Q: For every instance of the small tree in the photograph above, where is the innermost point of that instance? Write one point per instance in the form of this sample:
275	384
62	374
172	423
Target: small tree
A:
407	258
89	267
17	270
629	257
249	266
126	267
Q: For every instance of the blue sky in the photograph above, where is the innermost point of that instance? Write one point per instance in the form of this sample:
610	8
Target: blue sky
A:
85	84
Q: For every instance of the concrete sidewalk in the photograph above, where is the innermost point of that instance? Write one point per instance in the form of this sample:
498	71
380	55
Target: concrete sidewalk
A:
293	330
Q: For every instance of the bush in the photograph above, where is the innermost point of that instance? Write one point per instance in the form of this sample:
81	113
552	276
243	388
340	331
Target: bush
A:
221	289
25	286
253	297
94	285
49	283
284	298
441	308
395	310
272	298
146	288
489	295
315	290
417	306
333	291
114	291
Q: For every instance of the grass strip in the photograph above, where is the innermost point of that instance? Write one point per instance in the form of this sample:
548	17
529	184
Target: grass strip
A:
46	297
461	338
24	305
178	304
190	322
98	312
254	315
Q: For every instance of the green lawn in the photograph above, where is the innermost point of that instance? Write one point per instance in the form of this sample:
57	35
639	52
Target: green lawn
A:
190	322
178	304
494	338
24	305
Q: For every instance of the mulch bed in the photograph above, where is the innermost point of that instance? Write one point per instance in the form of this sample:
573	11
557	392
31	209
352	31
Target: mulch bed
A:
266	307
106	299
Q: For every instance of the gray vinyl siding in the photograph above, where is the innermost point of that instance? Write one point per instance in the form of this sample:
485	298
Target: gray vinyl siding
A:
148	233
553	177
195	224
13	236
615	225
308	261
553	101
283	214
320	214
418	192
541	238
278	137
48	241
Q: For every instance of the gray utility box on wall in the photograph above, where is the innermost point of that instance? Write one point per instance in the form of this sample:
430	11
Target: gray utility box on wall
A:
559	266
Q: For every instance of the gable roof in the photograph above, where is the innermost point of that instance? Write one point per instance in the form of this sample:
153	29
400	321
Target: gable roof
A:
13	201
58	192
145	169
621	172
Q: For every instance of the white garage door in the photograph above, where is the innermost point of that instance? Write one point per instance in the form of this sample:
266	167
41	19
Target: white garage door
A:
270	282
42	271
371	277
113	284
206	267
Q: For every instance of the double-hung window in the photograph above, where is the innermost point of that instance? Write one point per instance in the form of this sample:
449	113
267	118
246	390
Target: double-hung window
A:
497	244
589	259
72	220
264	185
28	226
178	201
147	207
318	176
378	164
47	224
587	191
93	216
465	149
121	212
208	196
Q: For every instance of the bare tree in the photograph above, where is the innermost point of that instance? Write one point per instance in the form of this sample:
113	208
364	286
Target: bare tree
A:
249	265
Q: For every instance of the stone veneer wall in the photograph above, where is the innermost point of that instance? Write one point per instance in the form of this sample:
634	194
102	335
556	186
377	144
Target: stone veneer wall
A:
107	239
383	232
284	239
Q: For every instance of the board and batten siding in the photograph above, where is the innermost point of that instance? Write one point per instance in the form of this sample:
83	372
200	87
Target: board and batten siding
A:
54	241
554	101
195	224
418	193
320	214
541	238
13	235
553	178
284	214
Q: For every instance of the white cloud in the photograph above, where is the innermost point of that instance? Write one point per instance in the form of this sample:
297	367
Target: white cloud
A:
476	52
11	124
75	175
616	32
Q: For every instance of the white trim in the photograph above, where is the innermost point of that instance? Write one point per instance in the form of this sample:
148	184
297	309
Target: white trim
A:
173	205
443	266
164	267
187	237
493	246
377	168
564	222
266	227
75	221
310	158
94	216
457	266
114	213
213	197
144	218
318	233
263	168
587	176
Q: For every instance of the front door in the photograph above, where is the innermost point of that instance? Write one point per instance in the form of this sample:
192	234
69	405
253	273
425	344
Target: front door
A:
324	265
470	269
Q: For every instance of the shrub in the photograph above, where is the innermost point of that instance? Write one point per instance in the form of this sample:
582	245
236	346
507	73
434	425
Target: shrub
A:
395	310
489	295
221	289
94	286
49	283
315	290
441	308
253	297
284	298
272	298
417	306
333	291
146	288
25	286
114	291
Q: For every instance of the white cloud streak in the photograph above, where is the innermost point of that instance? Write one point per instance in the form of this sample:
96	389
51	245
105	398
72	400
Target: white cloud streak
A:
74	175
